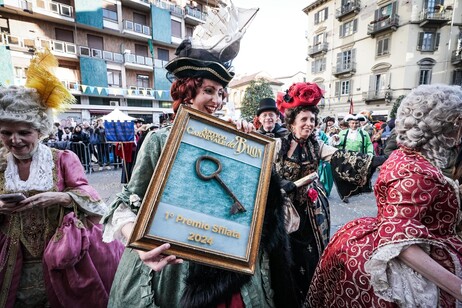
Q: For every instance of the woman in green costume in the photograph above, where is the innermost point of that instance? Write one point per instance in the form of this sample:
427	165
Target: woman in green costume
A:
150	279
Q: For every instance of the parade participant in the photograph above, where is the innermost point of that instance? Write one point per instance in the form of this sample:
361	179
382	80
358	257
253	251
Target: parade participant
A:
51	181
324	169
366	122
410	254
355	139
330	128
298	158
267	115
144	277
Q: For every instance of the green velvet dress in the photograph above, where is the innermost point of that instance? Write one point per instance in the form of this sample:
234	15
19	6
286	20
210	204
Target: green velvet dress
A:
135	284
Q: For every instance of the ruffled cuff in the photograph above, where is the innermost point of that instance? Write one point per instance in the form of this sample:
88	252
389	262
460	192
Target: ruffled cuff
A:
396	282
114	223
92	207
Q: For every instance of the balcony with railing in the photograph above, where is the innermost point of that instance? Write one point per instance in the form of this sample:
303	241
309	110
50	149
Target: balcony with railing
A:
194	15
384	95
434	17
138	62
351	8
85	51
388	22
136	30
52	8
347	68
318	49
172	7
456	57
160	63
140	91
59	48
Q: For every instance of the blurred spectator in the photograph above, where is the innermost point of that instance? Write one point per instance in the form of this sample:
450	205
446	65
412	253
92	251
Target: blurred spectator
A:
67	134
58	131
102	147
79	145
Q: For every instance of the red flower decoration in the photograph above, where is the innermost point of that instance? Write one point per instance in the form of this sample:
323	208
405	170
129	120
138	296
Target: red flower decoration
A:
300	94
313	195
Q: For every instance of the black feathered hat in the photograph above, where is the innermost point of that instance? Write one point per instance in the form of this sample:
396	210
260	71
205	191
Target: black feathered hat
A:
193	62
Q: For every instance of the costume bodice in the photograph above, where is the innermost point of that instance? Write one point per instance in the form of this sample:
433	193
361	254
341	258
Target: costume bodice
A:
410	186
303	161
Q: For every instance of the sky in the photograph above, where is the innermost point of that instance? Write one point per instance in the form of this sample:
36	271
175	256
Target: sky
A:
275	40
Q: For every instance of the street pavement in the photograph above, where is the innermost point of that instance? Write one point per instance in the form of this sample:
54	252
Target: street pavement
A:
107	183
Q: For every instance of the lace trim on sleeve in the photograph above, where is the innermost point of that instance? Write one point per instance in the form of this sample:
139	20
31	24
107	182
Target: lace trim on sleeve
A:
396	282
113	226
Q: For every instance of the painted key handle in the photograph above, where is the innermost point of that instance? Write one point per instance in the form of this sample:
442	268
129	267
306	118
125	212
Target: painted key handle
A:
237	205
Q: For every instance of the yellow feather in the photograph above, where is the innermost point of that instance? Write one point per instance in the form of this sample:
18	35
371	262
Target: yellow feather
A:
45	59
52	92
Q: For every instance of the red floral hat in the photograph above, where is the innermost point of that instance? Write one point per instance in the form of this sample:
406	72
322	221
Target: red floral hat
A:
299	94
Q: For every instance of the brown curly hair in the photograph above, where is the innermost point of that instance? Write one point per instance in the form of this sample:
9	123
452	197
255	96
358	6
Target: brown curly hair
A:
183	90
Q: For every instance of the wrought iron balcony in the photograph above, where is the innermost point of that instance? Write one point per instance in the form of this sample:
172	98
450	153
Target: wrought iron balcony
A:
378	95
352	7
344	69
134	27
194	15
317	49
390	22
434	18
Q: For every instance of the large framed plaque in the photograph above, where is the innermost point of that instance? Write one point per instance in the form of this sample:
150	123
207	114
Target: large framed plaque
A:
208	193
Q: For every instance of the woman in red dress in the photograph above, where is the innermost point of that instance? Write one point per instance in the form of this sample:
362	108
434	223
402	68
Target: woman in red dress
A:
410	255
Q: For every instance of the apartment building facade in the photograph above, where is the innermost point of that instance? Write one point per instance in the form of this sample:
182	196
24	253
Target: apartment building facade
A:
111	53
368	53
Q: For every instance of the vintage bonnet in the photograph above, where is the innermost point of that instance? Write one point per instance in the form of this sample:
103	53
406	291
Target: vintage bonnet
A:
209	53
299	94
42	93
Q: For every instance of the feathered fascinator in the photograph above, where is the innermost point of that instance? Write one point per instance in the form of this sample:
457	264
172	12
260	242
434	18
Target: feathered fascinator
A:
299	94
43	92
52	92
209	53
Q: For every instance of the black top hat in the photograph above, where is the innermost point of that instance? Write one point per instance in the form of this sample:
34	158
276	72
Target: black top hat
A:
139	120
197	63
267	104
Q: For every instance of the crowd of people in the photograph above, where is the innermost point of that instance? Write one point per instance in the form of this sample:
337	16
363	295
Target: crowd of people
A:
61	246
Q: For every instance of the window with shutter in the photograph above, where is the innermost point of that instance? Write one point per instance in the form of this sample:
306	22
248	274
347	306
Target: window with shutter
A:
176	28
345	87
64	35
437	40
425	72
457	78
95	42
139	18
382	46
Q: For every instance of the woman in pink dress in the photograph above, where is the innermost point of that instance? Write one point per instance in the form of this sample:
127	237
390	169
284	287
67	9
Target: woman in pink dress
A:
410	254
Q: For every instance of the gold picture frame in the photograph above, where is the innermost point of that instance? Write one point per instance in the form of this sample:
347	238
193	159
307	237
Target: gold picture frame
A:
207	195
